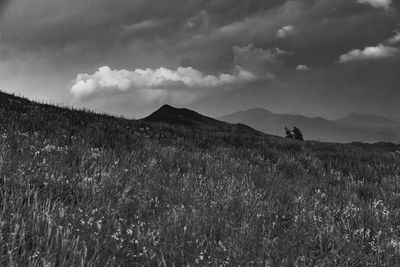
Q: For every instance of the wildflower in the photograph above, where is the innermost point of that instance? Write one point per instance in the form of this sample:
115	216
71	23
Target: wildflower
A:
115	236
201	256
49	148
62	212
98	224
298	199
394	243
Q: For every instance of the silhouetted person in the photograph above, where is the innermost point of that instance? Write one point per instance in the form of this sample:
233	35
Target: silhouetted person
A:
288	133
297	134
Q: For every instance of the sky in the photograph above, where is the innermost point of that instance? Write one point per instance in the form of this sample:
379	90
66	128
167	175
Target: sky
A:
312	57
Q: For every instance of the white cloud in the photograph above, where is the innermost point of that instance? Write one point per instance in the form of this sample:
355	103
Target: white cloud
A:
385	49
285	31
182	85
395	39
262	26
263	62
302	68
371	52
281	52
377	3
252	52
140	26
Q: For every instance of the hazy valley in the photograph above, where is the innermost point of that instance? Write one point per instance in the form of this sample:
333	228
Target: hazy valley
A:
354	127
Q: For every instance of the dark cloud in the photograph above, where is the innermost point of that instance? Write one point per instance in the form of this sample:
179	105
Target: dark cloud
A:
3	4
273	39
105	23
266	63
332	27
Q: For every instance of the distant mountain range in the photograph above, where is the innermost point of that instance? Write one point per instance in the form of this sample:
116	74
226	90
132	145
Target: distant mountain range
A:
350	128
354	128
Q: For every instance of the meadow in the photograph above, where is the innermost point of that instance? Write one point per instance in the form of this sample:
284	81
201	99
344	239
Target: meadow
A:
85	189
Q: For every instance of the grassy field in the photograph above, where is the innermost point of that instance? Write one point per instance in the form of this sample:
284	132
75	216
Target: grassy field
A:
83	189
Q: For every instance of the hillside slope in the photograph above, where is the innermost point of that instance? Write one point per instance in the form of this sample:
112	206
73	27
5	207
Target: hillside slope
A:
79	188
191	119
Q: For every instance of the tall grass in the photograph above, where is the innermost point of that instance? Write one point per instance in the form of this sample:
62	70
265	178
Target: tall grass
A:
80	189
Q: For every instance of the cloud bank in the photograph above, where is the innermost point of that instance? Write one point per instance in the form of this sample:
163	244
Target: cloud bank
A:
371	52
395	39
183	85
39	59
285	31
377	3
385	49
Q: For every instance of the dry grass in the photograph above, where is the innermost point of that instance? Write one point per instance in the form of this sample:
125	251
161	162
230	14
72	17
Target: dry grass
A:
79	189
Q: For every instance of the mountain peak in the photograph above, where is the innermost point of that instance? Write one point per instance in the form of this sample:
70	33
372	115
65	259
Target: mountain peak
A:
172	115
189	118
258	109
253	114
166	107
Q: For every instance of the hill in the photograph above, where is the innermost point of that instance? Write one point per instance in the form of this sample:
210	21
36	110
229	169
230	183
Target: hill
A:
85	189
169	114
191	119
355	127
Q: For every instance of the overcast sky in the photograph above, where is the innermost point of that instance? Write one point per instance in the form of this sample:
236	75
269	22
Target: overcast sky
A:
314	57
